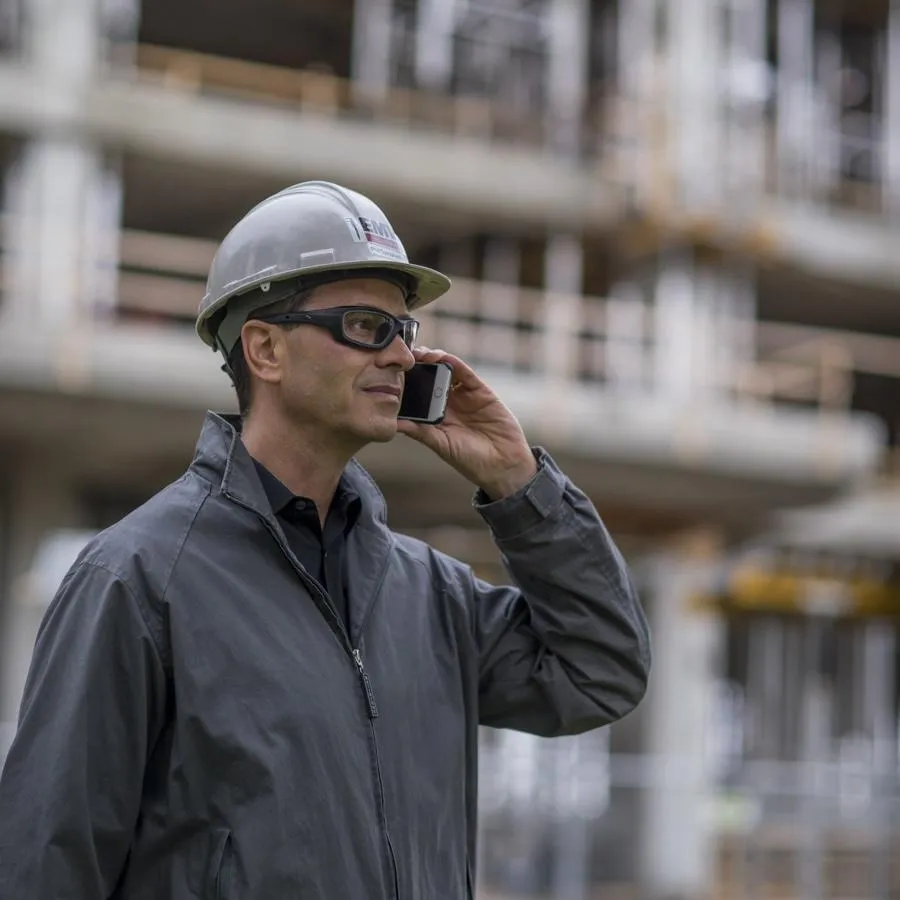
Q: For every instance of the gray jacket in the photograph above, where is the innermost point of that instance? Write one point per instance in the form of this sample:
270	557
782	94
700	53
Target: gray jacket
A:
197	723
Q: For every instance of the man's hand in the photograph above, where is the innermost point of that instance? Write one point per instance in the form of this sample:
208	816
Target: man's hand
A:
479	436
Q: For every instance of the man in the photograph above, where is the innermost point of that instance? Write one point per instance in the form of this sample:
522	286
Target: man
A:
250	687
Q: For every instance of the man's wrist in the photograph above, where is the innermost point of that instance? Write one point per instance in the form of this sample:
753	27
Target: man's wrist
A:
511	481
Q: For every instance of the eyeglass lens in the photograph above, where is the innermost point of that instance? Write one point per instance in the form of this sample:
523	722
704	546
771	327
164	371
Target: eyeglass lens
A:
376	328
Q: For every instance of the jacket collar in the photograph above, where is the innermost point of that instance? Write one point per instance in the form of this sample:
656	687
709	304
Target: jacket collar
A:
222	459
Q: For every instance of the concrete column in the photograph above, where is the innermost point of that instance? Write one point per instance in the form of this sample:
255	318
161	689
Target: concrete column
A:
557	351
64	204
748	88
744	292
880	704
62	196
727	334
568	36
563	282
636	44
61	231
435	23
502	269
64	39
891	145
577	770
708	330
734	332
816	727
370	64
695	120
121	24
42	499
794	100
624	353
640	103
675	336
676	857
826	114
518	784
704	315
766	680
71	40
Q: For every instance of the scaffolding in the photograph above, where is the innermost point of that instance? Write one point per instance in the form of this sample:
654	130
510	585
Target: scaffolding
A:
769	746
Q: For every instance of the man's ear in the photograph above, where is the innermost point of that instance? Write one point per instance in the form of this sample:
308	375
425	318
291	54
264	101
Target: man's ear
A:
262	350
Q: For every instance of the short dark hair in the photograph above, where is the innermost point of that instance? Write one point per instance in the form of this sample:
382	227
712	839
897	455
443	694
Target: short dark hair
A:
240	373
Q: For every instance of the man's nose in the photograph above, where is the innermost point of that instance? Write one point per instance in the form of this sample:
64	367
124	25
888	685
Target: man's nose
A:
397	353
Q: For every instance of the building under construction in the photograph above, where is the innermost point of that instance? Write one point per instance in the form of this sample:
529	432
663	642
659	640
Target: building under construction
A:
674	233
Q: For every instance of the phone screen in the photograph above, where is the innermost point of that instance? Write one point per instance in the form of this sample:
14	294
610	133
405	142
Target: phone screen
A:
418	391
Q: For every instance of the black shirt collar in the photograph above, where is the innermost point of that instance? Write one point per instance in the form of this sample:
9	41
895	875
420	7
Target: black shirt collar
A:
346	501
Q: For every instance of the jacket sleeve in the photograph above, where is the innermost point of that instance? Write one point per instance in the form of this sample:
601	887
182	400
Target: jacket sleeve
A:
93	706
569	649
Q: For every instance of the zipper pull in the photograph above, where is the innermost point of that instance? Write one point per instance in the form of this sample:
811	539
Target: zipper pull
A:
367	685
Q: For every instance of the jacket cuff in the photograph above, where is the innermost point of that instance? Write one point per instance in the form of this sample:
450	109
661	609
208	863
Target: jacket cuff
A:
527	507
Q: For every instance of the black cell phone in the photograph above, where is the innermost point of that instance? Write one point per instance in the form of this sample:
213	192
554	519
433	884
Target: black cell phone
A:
425	393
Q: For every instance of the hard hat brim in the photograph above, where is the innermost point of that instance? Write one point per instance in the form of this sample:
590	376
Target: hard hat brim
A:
429	285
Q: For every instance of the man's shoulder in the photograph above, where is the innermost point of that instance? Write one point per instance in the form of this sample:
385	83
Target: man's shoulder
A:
141	548
445	570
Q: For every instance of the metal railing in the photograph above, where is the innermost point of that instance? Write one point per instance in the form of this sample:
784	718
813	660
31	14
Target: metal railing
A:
320	91
161	280
631	140
797	830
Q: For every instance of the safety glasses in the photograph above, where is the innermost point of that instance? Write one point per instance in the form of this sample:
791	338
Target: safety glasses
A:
357	326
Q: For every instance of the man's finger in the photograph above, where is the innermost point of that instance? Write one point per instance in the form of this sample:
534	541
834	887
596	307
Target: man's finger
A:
410	429
463	374
422	434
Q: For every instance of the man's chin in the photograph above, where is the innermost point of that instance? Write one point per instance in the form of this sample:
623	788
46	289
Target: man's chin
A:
385	436
382	432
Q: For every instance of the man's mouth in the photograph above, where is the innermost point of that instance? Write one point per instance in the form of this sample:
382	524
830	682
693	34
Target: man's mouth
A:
389	390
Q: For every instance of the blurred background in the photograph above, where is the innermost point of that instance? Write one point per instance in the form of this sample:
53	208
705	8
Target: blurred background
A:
673	232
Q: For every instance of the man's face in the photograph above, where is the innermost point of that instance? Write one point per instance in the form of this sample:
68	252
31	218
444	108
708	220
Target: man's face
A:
349	393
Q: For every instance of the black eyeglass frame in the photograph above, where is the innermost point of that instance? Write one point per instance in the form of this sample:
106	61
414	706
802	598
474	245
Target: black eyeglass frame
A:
332	320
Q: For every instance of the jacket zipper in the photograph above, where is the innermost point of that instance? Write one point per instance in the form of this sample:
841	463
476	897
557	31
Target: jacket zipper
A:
373	714
323	601
372	710
366	684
